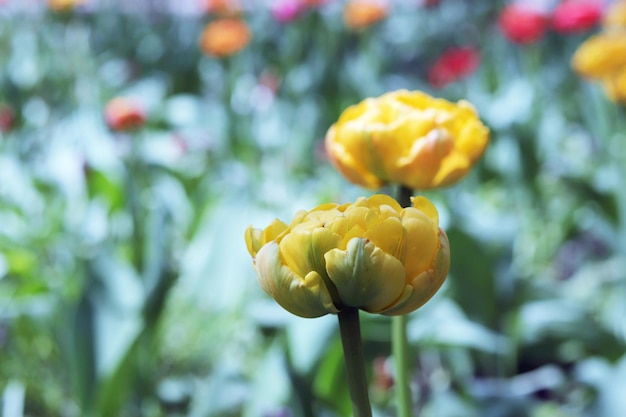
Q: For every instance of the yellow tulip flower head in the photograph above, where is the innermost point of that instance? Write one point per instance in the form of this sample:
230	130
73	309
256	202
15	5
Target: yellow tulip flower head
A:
371	254
407	138
601	55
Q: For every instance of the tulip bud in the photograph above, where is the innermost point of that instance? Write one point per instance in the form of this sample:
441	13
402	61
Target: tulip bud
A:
372	254
64	5
406	138
360	14
224	37
521	24
454	64
122	114
601	55
574	16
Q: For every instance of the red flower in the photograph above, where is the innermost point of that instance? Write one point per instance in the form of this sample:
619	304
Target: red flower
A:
574	16
522	24
454	64
122	114
6	118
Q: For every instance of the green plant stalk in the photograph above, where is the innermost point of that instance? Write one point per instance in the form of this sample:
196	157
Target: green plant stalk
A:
355	362
399	340
400	349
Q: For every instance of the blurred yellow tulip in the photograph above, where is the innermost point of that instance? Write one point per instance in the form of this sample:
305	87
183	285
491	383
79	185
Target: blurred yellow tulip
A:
601	55
372	254
408	138
63	5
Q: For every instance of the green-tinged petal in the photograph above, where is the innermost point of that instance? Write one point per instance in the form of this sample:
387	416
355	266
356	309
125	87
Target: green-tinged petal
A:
302	250
425	285
365	276
415	295
303	296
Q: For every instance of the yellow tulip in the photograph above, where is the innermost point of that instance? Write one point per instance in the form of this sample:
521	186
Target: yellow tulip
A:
61	5
371	254
408	138
601	55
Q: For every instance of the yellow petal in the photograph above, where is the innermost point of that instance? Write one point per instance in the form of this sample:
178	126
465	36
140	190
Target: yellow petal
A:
454	167
253	240
387	235
365	276
425	206
378	200
350	166
426	284
302	250
420	243
303	296
421	164
601	55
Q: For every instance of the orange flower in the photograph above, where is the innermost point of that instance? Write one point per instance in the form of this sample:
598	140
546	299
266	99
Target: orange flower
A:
224	37
359	14
222	7
62	5
122	114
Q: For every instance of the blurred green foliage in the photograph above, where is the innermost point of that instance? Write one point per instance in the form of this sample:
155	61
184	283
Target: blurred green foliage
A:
125	286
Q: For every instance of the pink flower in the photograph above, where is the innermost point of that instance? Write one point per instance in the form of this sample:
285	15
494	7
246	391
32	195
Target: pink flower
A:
285	11
454	64
521	24
575	16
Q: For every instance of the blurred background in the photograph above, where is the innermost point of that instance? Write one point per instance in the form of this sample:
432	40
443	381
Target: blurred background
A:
138	140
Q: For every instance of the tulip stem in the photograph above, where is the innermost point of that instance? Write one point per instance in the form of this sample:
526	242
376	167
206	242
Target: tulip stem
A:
355	362
399	340
400	349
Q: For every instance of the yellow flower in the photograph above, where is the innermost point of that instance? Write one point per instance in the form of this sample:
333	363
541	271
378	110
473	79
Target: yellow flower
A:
62	5
615	16
601	55
409	138
615	87
371	254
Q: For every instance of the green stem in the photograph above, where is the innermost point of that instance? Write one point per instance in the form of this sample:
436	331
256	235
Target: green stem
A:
133	193
399	340
400	350
355	362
